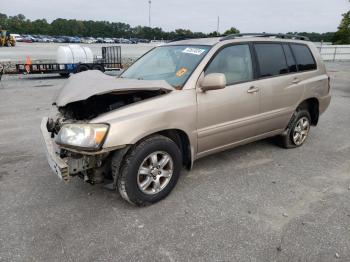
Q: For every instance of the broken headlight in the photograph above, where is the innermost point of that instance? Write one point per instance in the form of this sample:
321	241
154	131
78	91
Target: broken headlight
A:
87	136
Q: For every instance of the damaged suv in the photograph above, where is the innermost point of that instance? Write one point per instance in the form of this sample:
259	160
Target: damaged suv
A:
180	102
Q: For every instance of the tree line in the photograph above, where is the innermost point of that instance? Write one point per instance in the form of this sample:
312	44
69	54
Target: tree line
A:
85	28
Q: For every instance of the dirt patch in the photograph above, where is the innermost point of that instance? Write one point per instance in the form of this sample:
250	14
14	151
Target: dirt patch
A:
2	174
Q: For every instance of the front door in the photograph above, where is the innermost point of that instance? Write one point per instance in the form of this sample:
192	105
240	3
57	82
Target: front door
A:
228	115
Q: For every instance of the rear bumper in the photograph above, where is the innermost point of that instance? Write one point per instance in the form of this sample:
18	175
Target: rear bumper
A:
57	164
324	103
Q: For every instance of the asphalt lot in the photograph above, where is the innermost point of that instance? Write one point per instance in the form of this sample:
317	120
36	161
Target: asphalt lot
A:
257	202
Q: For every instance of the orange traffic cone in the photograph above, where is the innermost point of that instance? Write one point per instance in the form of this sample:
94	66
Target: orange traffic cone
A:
27	64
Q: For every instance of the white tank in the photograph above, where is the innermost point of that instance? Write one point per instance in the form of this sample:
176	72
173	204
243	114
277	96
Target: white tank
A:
73	54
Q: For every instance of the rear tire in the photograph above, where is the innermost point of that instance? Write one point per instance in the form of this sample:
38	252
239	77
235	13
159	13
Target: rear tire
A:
82	68
65	74
150	171
298	130
98	67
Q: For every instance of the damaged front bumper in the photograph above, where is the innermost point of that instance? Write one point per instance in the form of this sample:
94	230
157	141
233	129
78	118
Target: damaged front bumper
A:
69	162
76	162
57	164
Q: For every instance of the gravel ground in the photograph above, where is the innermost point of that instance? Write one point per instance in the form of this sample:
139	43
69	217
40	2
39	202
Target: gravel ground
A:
257	202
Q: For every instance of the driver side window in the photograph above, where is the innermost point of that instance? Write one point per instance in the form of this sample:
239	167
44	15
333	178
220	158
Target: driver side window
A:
234	62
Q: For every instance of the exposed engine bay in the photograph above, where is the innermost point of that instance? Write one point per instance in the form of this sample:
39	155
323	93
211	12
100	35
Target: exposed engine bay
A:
99	104
84	97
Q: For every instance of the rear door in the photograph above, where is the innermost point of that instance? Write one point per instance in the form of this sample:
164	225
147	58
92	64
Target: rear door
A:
228	115
279	84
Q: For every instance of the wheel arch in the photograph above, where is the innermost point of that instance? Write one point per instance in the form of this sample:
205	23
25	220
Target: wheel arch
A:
312	105
180	138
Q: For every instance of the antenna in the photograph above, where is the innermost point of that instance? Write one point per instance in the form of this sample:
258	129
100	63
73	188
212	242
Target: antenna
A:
149	12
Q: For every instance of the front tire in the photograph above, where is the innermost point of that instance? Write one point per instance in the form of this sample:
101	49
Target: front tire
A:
66	75
150	171
298	129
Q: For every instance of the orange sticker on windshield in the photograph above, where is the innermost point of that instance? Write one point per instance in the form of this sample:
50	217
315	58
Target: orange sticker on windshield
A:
181	72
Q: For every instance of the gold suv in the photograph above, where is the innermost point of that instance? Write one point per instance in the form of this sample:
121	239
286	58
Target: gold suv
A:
182	101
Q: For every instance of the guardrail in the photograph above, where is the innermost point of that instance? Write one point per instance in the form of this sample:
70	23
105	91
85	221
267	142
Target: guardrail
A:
334	52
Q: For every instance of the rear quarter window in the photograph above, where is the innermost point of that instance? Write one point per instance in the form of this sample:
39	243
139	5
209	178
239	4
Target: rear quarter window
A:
292	66
304	57
271	59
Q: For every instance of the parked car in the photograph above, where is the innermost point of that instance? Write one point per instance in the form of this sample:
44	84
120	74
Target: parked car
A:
60	39
99	40
35	38
27	40
88	40
17	37
124	41
144	41
108	40
158	42
183	101
134	40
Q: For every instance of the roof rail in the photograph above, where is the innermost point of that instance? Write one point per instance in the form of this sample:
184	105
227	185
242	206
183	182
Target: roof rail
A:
283	36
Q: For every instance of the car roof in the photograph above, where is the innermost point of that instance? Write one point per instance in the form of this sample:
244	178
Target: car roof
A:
214	40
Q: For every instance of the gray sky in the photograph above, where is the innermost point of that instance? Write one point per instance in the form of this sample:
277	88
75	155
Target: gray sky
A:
196	15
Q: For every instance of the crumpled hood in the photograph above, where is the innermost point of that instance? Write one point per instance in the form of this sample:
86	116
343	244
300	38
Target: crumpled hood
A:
86	84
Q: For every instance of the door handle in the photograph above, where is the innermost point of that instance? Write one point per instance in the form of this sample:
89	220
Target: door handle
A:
252	90
296	81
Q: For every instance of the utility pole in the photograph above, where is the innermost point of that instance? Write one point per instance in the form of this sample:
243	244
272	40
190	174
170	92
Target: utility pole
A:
149	13
218	26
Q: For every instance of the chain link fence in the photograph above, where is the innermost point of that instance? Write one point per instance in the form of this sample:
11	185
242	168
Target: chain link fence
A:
334	52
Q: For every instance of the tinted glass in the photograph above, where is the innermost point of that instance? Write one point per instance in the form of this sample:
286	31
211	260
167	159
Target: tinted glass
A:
304	58
271	59
290	59
234	62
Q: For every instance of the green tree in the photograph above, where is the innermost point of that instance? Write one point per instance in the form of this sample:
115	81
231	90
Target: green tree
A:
231	31
342	36
72	27
3	21
39	26
213	34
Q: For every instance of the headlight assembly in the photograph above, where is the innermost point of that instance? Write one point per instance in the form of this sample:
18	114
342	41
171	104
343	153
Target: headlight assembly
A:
87	136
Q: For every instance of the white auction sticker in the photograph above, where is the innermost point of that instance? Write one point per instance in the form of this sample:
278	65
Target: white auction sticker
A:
193	51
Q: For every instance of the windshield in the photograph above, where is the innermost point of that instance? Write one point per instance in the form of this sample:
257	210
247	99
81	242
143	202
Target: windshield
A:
173	64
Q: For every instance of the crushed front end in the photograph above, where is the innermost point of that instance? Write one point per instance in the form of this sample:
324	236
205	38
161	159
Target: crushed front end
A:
90	163
75	144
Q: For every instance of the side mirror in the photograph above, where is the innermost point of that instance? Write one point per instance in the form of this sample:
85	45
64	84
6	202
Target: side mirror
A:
213	81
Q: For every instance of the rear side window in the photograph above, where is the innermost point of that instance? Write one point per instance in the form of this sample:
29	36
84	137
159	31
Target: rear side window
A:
304	57
292	66
271	59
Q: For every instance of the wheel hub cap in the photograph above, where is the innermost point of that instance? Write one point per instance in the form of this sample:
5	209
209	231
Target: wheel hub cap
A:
301	131
155	172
